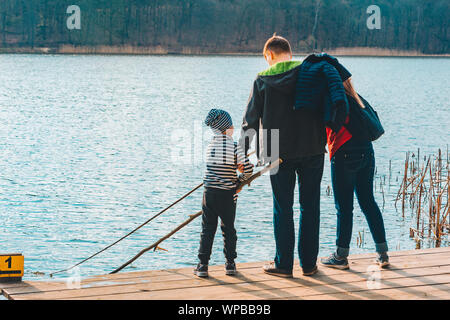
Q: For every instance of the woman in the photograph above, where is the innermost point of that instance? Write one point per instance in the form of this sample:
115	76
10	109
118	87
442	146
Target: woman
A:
352	171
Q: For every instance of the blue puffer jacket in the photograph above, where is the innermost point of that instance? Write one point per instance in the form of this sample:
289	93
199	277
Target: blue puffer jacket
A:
319	86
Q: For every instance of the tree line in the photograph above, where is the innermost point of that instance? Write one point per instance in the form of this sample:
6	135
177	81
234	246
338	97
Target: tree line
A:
227	26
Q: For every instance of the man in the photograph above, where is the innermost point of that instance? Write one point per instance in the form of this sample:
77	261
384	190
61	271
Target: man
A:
301	146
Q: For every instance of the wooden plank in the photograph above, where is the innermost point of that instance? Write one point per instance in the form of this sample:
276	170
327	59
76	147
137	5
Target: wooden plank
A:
432	292
435	291
365	256
414	286
251	274
242	266
251	265
188	284
356	267
213	269
257	275
58	287
60	281
287	286
273	290
219	283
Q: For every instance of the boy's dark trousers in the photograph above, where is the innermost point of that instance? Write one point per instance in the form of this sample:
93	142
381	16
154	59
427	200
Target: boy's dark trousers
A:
218	203
308	172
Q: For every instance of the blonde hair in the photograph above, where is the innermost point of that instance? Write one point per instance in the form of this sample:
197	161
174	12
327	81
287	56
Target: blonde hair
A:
350	90
277	44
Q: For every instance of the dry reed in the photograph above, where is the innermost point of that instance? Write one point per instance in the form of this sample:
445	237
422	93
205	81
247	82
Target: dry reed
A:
425	189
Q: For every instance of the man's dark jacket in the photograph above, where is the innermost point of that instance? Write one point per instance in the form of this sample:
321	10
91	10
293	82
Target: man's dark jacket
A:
271	106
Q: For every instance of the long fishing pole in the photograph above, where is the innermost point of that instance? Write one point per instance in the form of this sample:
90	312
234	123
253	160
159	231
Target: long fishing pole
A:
136	229
155	245
131	232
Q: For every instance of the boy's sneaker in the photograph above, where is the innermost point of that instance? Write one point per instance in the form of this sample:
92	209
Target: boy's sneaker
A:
333	261
201	270
274	271
383	260
230	269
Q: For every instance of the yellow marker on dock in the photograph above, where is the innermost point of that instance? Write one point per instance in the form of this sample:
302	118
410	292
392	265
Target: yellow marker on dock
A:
11	267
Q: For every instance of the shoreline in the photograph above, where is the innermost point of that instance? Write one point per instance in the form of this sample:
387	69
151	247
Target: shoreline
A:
160	51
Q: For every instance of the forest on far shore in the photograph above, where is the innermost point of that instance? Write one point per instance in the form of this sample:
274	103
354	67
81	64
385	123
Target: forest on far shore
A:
225	26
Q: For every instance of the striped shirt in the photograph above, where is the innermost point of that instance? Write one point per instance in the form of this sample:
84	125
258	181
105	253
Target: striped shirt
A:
222	159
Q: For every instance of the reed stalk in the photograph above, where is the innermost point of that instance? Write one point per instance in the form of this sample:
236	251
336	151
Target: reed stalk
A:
426	190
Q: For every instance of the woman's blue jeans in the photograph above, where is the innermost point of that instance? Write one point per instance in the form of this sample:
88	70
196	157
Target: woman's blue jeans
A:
352	172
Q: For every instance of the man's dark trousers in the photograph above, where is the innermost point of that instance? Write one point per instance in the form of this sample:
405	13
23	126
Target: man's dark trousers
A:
308	171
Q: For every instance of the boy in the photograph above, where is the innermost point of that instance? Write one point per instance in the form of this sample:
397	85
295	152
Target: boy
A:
223	158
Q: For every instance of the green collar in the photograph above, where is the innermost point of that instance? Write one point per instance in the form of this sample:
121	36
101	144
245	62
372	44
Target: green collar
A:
280	67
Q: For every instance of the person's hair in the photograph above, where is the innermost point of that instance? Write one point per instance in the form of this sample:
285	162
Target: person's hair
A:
350	90
277	44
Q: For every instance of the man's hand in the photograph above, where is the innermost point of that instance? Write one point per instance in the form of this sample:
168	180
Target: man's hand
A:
240	167
238	190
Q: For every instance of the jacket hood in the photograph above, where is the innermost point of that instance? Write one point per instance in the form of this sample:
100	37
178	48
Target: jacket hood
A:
282	76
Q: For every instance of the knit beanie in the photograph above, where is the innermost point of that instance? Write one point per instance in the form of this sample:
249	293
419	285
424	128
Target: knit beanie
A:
218	120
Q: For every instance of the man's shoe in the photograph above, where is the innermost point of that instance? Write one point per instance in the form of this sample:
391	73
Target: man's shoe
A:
333	261
310	272
201	270
274	271
230	269
383	260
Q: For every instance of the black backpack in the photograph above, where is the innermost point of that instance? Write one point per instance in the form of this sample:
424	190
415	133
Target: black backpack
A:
364	123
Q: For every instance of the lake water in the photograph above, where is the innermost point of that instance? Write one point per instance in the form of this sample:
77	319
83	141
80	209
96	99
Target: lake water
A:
87	153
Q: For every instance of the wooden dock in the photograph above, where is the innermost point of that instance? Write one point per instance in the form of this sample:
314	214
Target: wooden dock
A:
417	274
